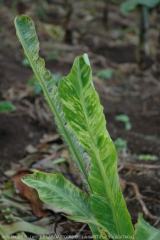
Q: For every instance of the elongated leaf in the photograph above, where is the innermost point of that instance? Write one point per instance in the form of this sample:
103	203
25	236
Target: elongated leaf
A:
25	30
145	231
55	189
83	112
130	5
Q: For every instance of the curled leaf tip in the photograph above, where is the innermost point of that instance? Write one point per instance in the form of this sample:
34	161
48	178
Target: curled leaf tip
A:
86	59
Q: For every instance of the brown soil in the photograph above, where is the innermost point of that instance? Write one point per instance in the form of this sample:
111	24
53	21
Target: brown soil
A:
16	133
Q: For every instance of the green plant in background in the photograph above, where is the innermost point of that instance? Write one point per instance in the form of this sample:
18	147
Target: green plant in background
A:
53	54
147	157
9	218
6	106
124	118
33	82
120	144
25	63
143	6
36	87
105	73
56	78
42	6
1	1
80	121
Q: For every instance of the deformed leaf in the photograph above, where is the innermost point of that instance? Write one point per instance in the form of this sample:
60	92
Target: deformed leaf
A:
145	231
84	114
25	30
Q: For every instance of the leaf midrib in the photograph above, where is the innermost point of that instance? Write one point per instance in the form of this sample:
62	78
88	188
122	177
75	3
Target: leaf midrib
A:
95	150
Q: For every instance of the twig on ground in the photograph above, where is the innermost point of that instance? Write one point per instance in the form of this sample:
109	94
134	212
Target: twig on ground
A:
139	197
81	229
138	166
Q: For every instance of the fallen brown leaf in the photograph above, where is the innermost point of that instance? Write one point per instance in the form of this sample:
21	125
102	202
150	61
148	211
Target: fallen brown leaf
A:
29	193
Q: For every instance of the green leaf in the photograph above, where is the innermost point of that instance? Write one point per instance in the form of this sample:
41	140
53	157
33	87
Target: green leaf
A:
83	112
59	160
105	73
6	106
86	59
145	231
95	233
56	78
25	63
147	157
103	234
128	126
122	118
37	88
131	5
93	224
55	189
120	144
25	30
33	82
82	219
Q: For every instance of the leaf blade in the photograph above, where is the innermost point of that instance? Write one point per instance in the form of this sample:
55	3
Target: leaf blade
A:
84	114
145	231
55	189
